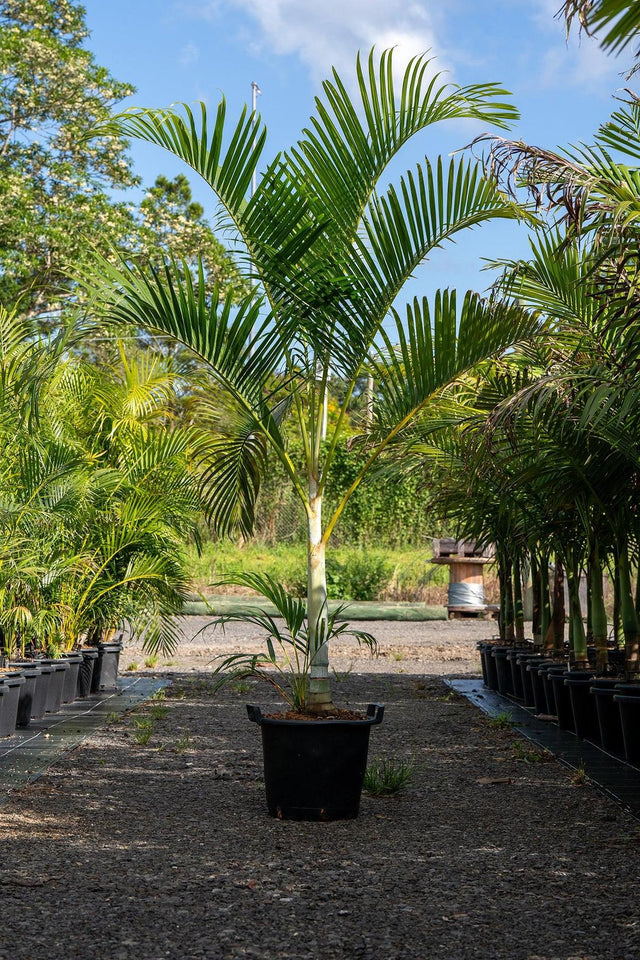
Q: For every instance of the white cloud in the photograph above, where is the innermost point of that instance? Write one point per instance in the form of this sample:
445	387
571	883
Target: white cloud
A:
326	33
580	64
189	54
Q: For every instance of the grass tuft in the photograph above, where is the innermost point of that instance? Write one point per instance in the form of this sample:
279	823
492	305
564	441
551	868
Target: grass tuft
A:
386	777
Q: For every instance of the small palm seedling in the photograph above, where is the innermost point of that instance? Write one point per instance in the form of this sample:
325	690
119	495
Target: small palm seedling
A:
386	777
287	662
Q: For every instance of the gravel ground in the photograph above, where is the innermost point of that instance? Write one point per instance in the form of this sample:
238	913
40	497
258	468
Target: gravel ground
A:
128	851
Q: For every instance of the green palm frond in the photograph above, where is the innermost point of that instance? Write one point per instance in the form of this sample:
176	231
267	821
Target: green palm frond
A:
435	346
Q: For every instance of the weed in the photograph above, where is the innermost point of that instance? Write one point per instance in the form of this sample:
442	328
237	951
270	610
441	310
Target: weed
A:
502	721
241	686
184	743
579	777
384	777
521	752
157	711
132	667
159	695
398	655
114	717
143	729
168	663
151	662
341	675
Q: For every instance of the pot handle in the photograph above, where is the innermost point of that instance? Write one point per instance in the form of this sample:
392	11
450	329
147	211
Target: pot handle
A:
375	712
254	712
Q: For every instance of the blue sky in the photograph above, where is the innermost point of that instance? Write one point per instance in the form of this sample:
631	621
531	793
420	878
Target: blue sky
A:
188	50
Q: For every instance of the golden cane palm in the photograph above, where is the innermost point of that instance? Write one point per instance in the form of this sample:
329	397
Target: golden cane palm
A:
329	253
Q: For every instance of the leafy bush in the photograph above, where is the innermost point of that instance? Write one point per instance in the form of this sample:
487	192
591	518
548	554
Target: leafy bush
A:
361	576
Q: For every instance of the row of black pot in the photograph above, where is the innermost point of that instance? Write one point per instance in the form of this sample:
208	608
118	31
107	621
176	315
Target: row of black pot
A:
604	710
31	688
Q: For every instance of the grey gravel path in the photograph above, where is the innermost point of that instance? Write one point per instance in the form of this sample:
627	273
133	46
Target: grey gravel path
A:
126	851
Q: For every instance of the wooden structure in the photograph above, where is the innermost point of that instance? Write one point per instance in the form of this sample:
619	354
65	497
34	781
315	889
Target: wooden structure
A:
466	576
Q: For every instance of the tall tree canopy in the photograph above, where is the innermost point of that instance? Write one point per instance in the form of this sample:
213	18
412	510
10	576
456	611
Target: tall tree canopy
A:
57	189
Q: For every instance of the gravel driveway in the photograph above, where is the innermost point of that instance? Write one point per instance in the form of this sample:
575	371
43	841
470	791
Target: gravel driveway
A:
130	851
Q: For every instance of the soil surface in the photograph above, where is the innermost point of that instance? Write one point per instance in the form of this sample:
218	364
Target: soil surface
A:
131	851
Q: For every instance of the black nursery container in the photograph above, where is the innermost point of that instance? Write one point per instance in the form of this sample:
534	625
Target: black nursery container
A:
603	690
490	666
85	673
105	670
70	685
585	715
10	685
56	683
503	671
314	769
563	709
527	688
539	693
627	698
32	693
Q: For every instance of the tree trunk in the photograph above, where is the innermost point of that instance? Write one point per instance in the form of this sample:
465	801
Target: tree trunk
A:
628	611
319	693
578	636
598	611
518	605
558	616
545	603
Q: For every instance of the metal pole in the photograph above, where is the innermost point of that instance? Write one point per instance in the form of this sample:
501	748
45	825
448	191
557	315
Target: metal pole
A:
255	93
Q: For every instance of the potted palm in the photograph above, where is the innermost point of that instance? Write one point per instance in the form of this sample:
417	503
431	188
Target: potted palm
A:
327	256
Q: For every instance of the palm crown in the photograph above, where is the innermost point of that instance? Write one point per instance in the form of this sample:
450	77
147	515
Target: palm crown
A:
328	254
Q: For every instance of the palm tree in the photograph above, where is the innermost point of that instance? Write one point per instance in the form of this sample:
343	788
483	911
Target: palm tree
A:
329	255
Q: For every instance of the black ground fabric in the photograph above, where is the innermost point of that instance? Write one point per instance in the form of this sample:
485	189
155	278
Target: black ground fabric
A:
126	850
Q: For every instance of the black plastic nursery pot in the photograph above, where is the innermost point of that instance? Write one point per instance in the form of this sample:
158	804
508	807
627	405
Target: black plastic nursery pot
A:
32	674
603	690
513	658
10	685
314	769
629	706
490	666
539	693
481	647
56	684
527	688
563	709
503	670
105	670
70	683
85	673
549	687
585	715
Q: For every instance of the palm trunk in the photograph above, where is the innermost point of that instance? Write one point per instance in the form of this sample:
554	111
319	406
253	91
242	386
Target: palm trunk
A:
319	694
536	590
558	616
518	605
545	604
598	611
578	636
628	610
